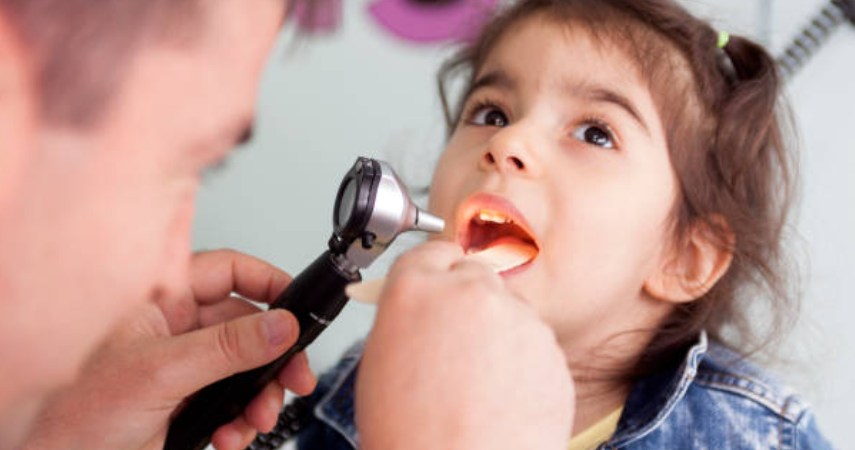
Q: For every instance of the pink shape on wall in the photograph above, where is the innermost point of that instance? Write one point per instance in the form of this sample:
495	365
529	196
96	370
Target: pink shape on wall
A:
321	17
455	20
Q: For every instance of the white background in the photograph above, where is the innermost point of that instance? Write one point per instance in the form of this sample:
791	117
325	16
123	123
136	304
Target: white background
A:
360	92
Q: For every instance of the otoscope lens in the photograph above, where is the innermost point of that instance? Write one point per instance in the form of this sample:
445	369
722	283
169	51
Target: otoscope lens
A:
348	202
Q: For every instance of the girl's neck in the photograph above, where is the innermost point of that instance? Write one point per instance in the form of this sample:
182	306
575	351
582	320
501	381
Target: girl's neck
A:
599	374
601	355
595	400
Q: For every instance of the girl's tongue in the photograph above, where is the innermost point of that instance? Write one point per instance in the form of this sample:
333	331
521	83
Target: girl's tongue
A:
499	242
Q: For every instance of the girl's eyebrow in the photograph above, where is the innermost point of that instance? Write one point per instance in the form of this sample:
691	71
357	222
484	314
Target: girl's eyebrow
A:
602	94
496	78
585	90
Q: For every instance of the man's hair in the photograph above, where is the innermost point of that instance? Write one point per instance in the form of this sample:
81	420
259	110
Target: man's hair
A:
80	48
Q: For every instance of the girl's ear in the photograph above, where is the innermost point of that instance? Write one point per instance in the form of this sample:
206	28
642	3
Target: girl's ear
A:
693	265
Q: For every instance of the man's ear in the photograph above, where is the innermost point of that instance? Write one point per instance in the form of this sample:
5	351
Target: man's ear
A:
17	106
694	264
13	60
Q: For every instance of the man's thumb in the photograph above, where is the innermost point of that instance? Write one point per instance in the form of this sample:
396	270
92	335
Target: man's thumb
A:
211	354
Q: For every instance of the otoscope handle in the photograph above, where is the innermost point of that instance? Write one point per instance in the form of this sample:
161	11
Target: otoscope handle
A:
315	297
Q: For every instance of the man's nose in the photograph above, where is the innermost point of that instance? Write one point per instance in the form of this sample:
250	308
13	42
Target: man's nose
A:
512	151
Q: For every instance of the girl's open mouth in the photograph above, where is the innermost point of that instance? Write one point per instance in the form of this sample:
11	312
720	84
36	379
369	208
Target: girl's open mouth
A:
489	222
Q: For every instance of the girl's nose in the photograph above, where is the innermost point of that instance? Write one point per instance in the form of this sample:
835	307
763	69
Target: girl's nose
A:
510	152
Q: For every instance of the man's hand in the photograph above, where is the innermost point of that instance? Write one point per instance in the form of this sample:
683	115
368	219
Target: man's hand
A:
454	361
174	347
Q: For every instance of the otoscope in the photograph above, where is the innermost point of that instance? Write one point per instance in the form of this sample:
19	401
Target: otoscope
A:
372	208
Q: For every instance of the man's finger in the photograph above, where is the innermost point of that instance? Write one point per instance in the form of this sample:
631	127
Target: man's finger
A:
228	309
297	376
202	357
476	270
216	274
263	410
435	255
235	435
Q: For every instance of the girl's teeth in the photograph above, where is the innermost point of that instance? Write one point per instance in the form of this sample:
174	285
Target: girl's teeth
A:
487	216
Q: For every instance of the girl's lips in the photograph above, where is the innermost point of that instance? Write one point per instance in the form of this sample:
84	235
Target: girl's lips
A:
492	204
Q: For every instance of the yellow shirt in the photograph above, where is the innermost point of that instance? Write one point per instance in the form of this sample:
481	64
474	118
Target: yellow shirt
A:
597	433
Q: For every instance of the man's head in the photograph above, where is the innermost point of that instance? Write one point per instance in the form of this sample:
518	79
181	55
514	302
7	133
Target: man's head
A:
109	111
79	48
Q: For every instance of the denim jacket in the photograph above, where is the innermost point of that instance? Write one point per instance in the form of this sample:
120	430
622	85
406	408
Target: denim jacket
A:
713	400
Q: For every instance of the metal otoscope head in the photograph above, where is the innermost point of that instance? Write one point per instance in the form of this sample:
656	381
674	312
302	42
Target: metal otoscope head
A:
372	208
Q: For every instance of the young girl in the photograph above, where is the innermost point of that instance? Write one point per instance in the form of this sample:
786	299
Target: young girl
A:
636	152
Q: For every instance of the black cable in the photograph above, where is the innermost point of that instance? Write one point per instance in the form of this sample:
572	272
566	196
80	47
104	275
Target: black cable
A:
293	418
815	34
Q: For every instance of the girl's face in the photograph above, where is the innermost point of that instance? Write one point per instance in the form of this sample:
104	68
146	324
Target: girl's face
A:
560	135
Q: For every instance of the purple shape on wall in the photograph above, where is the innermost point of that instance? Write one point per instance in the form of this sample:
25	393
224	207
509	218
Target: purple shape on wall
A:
320	17
456	20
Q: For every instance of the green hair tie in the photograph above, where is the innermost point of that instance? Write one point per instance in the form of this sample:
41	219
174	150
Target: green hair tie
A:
723	38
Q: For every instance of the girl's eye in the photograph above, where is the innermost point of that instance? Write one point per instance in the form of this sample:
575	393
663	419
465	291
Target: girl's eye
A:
594	134
490	116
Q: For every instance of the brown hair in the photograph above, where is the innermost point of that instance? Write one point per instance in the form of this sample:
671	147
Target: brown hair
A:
81	47
720	111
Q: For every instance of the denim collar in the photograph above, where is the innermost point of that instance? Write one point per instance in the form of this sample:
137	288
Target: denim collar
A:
653	398
336	407
649	403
